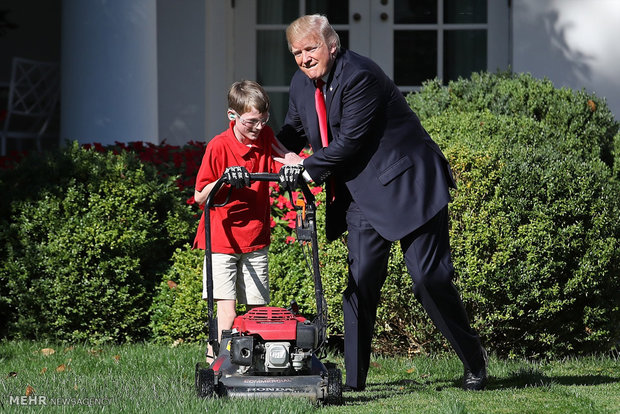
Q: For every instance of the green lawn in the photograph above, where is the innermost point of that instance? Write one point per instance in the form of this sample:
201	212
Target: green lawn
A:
150	378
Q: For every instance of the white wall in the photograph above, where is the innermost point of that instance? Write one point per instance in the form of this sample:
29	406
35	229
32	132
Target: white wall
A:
574	43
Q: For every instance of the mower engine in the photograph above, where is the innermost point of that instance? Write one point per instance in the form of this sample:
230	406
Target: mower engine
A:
271	341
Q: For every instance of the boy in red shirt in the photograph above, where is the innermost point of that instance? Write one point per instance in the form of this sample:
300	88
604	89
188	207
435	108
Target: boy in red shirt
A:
240	230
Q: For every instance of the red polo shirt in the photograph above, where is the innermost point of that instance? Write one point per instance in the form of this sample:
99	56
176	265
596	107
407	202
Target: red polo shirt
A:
242	225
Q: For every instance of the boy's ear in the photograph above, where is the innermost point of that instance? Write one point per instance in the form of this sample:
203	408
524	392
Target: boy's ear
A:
231	115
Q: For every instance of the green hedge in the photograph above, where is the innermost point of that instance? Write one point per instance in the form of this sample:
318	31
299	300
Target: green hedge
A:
583	120
535	220
178	310
535	235
85	239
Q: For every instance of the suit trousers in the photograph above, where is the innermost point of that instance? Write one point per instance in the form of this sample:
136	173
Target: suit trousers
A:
427	256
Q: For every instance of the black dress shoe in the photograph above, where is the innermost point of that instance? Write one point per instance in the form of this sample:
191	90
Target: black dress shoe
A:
477	381
348	388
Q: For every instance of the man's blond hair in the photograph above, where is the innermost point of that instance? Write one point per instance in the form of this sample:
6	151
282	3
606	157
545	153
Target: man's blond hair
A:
312	24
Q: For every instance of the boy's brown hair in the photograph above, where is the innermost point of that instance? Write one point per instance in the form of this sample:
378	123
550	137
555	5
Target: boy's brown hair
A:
245	95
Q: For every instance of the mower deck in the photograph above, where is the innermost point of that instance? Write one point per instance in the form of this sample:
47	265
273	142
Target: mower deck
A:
225	379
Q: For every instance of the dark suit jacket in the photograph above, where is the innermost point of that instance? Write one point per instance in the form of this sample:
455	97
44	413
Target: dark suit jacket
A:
394	171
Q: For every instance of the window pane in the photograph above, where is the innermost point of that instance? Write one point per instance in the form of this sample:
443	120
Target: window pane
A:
276	11
465	11
465	51
336	11
279	106
344	38
415	11
274	63
415	56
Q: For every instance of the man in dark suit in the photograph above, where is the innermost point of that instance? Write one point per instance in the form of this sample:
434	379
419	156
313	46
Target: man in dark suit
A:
387	180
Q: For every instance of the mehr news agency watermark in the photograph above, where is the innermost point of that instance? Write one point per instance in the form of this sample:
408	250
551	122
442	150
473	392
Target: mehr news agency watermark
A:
30	400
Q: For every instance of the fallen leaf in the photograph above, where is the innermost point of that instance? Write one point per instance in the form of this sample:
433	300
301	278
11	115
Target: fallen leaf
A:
29	390
75	387
44	370
47	351
171	284
177	342
375	364
61	368
69	349
95	352
411	370
117	358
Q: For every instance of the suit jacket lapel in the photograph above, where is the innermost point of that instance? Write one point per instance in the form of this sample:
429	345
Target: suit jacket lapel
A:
332	87
333	84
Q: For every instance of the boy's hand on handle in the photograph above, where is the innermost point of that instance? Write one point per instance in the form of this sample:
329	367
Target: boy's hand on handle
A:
237	177
289	175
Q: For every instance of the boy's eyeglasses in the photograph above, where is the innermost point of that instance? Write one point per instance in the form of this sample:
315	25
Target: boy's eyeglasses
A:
251	123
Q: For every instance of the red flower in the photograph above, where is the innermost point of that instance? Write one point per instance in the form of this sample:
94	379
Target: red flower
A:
178	159
283	202
289	240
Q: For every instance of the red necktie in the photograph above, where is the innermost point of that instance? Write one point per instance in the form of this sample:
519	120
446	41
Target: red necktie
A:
319	103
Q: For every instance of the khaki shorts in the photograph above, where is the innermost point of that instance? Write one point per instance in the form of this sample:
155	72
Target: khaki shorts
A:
243	277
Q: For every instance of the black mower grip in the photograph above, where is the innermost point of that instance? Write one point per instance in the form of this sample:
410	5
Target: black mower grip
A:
264	177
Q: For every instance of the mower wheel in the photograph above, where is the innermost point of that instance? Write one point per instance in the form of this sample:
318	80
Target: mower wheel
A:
205	381
334	387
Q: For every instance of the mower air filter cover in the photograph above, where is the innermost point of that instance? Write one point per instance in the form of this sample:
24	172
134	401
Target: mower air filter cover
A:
242	350
307	335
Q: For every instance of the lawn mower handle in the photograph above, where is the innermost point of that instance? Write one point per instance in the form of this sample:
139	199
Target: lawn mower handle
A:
263	176
311	209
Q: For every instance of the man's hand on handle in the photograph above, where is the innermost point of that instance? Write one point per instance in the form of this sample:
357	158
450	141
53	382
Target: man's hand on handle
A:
289	175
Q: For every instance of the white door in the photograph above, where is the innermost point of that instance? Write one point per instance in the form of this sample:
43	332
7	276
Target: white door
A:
412	40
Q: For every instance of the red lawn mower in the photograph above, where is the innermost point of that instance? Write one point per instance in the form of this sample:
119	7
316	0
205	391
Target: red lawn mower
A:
271	351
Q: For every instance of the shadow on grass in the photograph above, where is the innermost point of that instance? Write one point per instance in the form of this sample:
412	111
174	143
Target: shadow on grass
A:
390	389
532	377
523	378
